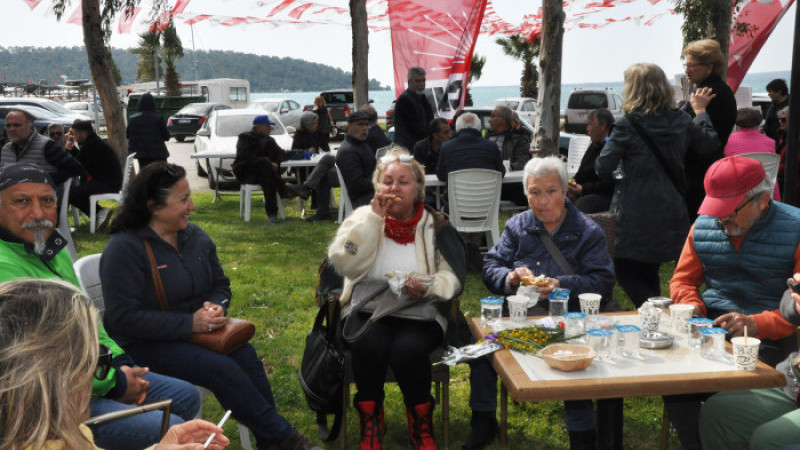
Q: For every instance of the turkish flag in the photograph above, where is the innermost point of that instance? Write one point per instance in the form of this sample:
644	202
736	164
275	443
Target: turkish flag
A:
439	36
761	17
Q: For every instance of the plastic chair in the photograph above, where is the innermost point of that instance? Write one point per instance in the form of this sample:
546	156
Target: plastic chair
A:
246	192
118	197
771	163
440	375
63	219
474	201
577	148
345	206
88	271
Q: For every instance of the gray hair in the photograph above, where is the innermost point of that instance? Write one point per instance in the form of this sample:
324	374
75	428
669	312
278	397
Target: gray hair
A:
415	71
539	167
784	111
505	113
55	126
468	120
307	119
765	186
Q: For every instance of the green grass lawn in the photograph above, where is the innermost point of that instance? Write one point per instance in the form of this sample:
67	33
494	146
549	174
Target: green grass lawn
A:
273	272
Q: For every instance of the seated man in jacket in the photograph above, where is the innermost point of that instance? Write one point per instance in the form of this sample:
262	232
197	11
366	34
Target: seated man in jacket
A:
103	172
258	161
742	247
514	146
30	247
356	160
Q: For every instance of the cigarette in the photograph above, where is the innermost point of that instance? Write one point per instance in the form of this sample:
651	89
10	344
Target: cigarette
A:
221	422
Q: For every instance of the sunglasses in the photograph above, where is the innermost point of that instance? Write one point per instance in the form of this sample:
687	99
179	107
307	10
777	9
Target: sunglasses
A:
782	119
387	159
103	363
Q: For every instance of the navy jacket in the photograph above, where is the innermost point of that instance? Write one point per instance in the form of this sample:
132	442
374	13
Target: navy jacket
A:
100	162
147	131
412	114
468	150
356	162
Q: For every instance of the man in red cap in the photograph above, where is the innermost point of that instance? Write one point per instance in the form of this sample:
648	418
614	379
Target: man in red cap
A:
743	247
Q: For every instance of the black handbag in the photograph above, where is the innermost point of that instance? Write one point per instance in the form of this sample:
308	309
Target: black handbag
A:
322	369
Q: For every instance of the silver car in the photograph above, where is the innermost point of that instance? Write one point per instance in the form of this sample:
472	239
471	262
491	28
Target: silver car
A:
285	109
88	109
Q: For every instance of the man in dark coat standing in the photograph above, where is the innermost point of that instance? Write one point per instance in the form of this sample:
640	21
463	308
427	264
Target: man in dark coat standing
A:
412	112
103	173
147	132
258	161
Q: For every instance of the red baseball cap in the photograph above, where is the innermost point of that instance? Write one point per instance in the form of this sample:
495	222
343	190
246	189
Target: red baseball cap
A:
726	183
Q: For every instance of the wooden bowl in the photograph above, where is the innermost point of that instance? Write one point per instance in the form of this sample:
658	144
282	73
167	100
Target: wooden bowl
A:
568	357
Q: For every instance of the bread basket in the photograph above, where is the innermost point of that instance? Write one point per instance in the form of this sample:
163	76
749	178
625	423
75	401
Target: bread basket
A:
568	357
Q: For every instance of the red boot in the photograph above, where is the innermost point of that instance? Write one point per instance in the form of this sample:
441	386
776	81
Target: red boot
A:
420	426
372	425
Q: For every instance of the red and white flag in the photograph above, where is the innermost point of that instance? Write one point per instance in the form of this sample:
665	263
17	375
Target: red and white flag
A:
761	18
439	36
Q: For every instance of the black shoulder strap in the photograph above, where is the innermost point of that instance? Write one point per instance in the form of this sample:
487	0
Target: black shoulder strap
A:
675	178
547	240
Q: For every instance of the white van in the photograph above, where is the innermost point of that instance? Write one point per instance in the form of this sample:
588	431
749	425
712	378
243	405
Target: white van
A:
582	101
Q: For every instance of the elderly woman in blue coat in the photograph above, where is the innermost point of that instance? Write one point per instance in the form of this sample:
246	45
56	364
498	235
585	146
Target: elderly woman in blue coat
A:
522	252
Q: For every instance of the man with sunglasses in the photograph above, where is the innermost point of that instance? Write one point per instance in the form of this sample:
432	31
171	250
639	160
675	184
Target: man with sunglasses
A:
742	247
31	247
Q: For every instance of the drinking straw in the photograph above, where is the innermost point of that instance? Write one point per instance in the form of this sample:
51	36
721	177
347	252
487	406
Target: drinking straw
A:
745	335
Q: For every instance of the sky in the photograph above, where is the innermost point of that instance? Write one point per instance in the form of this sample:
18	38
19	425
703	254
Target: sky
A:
588	55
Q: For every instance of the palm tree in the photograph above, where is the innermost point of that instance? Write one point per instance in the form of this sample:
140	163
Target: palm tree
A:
517	47
148	46
172	48
475	72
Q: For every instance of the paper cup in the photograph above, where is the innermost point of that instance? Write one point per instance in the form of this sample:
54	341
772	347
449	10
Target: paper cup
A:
517	308
590	303
745	355
680	313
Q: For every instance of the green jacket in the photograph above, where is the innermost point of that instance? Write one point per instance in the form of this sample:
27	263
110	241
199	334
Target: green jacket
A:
17	262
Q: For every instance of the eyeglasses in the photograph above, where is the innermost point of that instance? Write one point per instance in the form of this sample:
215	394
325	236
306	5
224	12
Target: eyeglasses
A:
104	358
782	119
739	208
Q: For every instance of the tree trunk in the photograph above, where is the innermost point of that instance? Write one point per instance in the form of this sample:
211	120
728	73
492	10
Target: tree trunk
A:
104	78
358	17
546	140
721	28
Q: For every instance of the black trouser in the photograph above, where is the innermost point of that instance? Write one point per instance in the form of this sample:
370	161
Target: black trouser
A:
79	195
404	346
638	279
260	171
593	203
322	179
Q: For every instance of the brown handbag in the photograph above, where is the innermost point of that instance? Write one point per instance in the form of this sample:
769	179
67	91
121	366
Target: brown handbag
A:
225	339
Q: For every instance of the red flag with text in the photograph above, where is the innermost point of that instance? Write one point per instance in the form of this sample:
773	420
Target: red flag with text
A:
439	36
760	17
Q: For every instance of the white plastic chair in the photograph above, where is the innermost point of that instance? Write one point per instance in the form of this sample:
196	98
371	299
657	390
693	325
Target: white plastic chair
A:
63	219
474	201
577	148
771	163
118	197
246	192
345	206
88	271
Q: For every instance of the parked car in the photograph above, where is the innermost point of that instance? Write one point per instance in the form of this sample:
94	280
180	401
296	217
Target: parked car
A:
285	109
582	101
219	134
47	104
390	115
339	103
42	117
190	118
763	102
525	107
88	109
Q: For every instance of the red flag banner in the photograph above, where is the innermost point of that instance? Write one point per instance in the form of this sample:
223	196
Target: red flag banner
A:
180	5
760	17
127	18
77	15
32	3
439	36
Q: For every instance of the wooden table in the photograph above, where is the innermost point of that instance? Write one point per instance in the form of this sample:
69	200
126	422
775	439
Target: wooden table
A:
523	389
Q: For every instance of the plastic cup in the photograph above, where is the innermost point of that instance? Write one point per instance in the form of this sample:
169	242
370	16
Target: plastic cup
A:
575	325
601	340
696	324
712	342
745	352
558	304
517	308
628	340
649	318
680	313
491	310
590	303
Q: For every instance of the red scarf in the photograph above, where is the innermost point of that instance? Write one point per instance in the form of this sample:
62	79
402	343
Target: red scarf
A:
403	232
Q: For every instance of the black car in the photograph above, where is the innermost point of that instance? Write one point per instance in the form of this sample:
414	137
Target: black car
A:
190	118
41	117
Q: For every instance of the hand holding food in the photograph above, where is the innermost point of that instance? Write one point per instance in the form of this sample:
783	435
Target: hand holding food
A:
531	280
381	202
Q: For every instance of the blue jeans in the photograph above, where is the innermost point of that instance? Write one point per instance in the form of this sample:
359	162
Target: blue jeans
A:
237	380
144	430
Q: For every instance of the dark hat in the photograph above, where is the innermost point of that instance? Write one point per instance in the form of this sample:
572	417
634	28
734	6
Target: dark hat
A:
357	115
726	183
23	172
262	120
